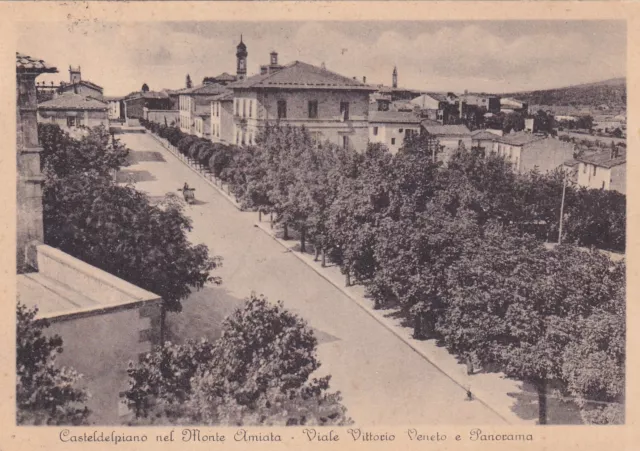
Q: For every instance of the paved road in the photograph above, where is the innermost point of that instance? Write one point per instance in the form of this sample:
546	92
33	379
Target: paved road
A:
382	380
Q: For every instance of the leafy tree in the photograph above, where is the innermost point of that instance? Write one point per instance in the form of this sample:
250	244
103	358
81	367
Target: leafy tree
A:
45	393
188	83
98	152
115	228
513	122
257	373
145	87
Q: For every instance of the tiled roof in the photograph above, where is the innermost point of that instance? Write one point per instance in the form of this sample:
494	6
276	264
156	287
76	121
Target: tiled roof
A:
148	95
25	63
445	130
299	75
83	82
225	77
210	89
519	138
70	101
603	159
484	135
112	98
399	117
437	96
228	95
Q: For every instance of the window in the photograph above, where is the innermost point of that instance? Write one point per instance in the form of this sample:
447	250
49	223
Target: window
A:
408	132
244	108
375	131
250	108
237	137
236	109
584	168
282	109
243	138
313	109
344	110
594	169
345	142
393	141
400	130
603	184
71	121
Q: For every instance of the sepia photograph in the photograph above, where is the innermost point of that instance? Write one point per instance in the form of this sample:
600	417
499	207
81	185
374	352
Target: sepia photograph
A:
350	224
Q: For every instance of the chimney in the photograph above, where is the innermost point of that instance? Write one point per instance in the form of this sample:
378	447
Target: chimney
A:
263	70
364	79
274	58
323	66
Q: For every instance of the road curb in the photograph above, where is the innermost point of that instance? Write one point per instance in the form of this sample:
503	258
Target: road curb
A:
478	395
180	158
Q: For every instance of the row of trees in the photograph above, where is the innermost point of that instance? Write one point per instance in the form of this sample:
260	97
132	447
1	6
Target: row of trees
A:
459	251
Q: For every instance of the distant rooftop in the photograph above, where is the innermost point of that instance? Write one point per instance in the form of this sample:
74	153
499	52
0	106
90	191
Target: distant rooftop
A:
28	64
603	158
300	75
208	89
445	130
519	138
400	117
484	135
71	101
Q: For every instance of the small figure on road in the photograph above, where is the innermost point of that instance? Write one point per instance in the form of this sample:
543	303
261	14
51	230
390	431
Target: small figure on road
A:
186	187
469	363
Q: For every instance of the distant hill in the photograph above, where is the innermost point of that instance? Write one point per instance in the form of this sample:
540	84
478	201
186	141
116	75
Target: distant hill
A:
611	92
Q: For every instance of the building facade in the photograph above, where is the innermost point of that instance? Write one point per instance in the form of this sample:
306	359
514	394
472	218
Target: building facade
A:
222	125
603	170
332	107
526	151
194	102
391	128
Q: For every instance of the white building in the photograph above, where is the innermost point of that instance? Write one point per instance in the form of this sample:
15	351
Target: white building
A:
603	170
392	127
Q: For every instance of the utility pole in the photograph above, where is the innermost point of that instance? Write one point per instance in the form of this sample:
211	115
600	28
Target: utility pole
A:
564	189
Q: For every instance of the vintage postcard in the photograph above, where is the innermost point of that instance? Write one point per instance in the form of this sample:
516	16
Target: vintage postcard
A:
305	225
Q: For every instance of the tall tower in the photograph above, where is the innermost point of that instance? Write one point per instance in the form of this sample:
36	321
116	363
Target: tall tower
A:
74	74
394	77
241	55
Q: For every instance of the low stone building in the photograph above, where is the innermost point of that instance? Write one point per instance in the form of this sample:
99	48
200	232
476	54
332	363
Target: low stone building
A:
74	111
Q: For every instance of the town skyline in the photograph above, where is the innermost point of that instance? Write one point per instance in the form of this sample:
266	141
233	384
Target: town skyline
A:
515	56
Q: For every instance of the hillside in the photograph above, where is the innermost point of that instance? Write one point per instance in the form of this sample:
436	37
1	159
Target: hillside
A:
611	92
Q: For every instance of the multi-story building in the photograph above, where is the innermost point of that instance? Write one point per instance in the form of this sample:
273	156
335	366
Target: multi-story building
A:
222	118
527	151
116	107
332	107
603	170
195	102
392	127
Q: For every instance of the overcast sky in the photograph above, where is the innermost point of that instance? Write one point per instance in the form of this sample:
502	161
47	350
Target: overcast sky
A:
438	56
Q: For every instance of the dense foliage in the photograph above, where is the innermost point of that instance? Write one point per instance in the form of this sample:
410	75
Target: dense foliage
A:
458	250
116	228
257	373
46	394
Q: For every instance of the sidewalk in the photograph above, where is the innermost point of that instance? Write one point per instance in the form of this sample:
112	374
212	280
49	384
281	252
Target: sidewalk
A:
491	389
206	175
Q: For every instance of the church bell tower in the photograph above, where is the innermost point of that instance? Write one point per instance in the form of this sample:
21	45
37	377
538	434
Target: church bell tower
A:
241	55
394	77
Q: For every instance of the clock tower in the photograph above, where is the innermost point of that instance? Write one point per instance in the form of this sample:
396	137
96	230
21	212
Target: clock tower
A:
241	55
